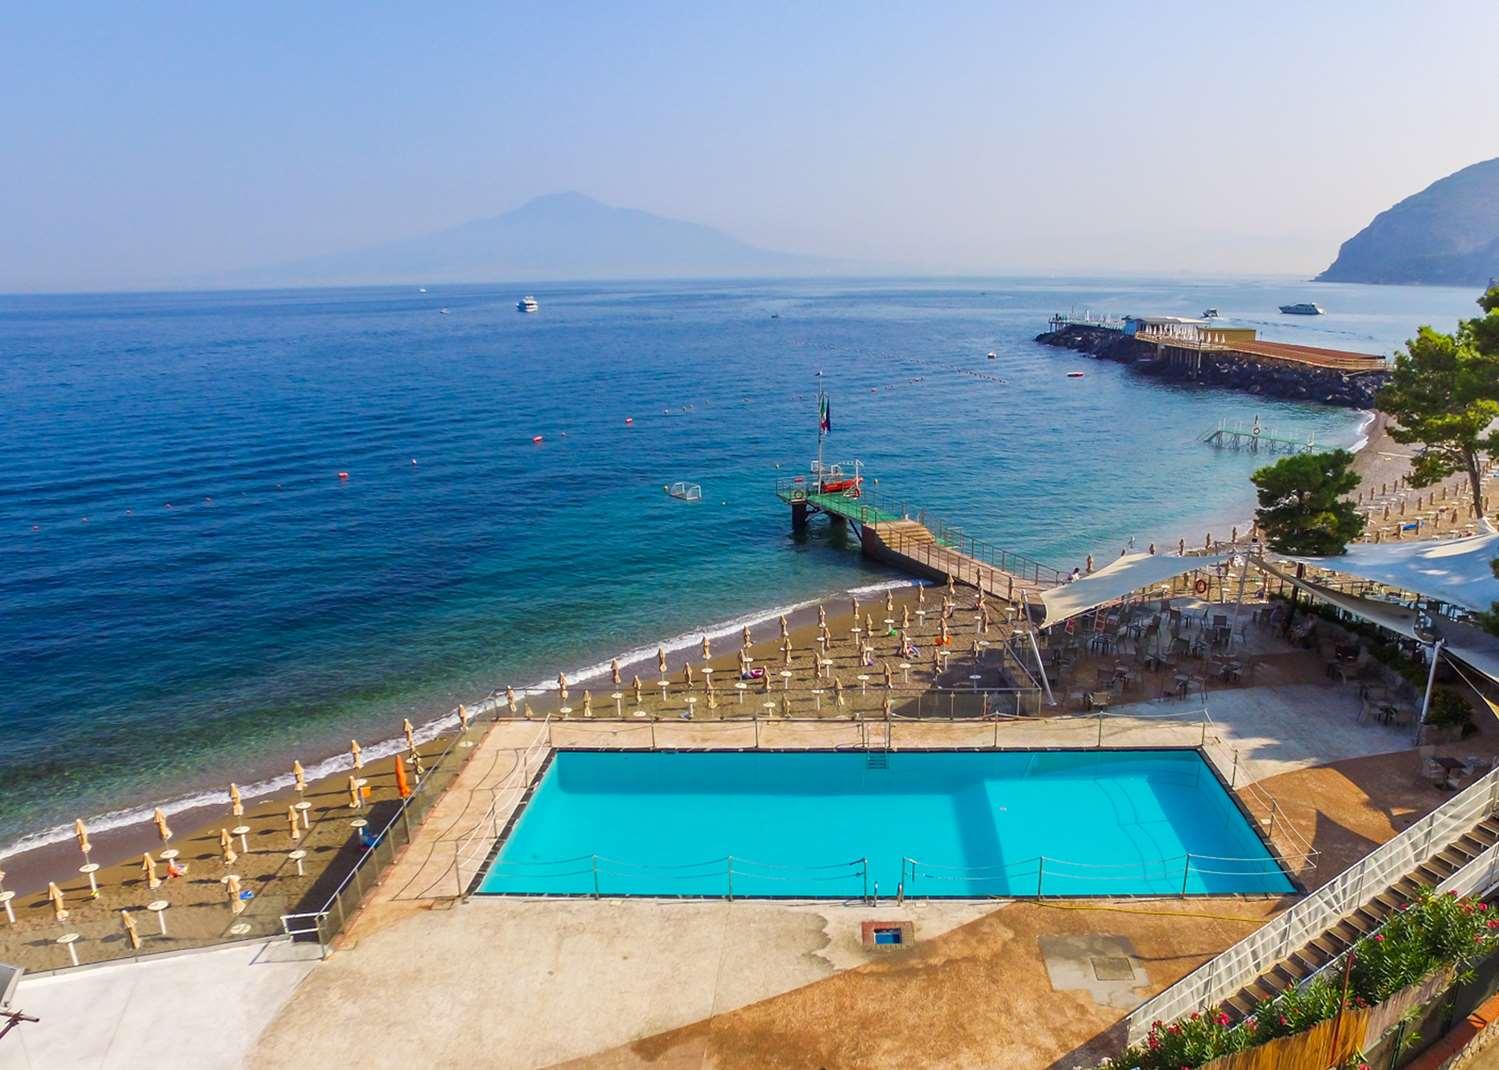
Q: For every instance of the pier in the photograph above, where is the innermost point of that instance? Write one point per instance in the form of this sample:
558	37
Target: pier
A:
1256	439
923	547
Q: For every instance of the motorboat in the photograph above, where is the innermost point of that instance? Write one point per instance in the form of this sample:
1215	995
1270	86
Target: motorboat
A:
1305	308
1211	314
527	304
1075	375
993	355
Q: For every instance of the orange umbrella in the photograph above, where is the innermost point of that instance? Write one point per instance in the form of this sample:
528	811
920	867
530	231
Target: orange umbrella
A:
402	786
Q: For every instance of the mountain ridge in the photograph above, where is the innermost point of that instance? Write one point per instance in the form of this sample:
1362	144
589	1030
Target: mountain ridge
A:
1445	235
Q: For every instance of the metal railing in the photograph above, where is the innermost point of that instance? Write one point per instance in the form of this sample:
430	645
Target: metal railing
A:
1050	875
384	844
724	877
472	850
1228	972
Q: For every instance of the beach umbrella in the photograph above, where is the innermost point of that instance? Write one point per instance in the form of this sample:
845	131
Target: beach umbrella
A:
853	608
661	659
936	660
921	595
822	615
528	713
827	636
416	763
300	775
148	870
889	602
977	650
293	824
462	717
687	674
889	676
162	830
231	885
59	907
744	662
226	843
889	707
587	704
635	686
614	672
785	627
905	618
562	686
128	923
236	804
944	636
786	653
785	704
952	584
765	683
403	787
707	649
81	832
354	800
712	699
510	699
838	692
745	632
409	731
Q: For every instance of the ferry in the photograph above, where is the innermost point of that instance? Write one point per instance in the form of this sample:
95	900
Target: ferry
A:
1305	308
527	304
1211	314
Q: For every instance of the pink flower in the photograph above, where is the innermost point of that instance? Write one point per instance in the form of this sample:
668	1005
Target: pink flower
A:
1379	938
1222	1018
1483	908
1195	1016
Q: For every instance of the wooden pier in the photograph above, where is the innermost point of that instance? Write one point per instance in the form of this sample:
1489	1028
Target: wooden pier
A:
922	547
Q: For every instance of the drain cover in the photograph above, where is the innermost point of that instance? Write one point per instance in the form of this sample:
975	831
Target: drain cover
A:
1112	968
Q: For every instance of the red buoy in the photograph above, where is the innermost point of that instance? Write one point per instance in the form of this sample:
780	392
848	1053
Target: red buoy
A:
629	421
343	475
536	439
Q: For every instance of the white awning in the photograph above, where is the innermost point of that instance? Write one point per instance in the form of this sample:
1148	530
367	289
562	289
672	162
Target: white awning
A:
1456	571
1119	577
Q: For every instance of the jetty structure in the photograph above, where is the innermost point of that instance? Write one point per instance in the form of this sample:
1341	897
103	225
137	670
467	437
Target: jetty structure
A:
1256	439
1218	354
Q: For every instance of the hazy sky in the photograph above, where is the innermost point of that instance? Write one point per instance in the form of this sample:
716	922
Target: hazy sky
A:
143	143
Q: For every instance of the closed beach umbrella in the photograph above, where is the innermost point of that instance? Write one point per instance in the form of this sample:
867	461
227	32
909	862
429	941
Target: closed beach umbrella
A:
148	870
921	595
162	829
353	794
403	787
712	699
687	674
889	707
936	661
416	763
81	832
944	636
889	676
786	653
765	683
707	649
889	602
952	585
838	692
785	704
868	626
293	823
510	700
226	844
587	704
462	717
977	650
128	923
744	662
231	885
785	627
409	731
236	804
661	659
635	686
614	672
562	686
59	906
300	775
745	632
528	713
822	615
905	618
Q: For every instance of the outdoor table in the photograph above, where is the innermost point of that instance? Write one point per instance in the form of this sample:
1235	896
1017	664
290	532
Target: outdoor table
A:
10	911
67	940
974	679
243	831
93	885
741	687
786	679
297	856
863	679
301	808
159	908
905	672
817	694
619	704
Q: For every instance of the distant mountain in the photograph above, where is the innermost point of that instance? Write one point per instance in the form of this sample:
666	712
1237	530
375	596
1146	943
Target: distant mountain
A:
559	236
1446	235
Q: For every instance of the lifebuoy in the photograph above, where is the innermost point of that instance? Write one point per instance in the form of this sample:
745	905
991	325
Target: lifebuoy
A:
1201	586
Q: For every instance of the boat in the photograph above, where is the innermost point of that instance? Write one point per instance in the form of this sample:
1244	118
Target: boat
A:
527	304
421	289
993	355
1211	314
1075	375
1305	308
442	311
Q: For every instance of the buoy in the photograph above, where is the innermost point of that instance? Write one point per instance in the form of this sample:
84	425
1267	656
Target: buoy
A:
629	421
536	439
413	460
343	475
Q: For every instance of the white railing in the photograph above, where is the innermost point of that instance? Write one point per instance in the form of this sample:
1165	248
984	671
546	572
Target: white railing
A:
1222	976
470	852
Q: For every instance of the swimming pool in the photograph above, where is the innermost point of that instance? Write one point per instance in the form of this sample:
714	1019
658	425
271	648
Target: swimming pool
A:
821	824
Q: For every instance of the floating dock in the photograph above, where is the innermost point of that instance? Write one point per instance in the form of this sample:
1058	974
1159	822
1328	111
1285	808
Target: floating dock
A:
1256	439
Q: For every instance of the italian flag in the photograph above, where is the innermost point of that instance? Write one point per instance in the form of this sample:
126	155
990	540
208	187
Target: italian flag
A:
824	415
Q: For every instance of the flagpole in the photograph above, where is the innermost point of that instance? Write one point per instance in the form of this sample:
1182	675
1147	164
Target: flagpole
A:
820	433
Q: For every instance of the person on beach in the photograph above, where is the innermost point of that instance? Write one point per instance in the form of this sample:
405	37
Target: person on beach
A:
175	870
1076	574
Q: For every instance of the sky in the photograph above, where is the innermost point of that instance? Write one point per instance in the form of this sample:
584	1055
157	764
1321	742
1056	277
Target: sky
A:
143	144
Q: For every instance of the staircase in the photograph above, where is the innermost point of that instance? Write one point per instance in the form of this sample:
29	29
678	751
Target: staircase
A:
877	759
1322	950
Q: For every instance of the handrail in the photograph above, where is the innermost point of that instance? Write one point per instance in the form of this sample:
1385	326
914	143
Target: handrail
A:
517	779
1229	971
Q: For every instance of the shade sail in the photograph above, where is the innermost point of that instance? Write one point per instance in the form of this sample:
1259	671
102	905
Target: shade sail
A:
1455	571
1119	577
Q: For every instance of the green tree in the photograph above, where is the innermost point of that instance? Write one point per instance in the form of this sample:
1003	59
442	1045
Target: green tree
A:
1303	509
1444	393
1490	620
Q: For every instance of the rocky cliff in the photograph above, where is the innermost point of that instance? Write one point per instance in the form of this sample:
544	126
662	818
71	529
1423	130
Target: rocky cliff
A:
1354	390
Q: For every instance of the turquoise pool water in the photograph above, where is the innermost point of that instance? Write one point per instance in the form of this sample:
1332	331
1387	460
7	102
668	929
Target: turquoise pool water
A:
956	824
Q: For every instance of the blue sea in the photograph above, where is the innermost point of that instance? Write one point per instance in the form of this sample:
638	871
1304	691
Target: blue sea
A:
192	594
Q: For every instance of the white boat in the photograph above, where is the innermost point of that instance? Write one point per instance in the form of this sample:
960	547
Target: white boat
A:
1305	308
1211	314
993	355
527	304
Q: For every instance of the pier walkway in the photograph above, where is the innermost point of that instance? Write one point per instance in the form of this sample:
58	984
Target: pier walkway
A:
922	546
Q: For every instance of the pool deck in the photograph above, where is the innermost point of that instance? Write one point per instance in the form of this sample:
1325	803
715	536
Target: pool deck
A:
421	980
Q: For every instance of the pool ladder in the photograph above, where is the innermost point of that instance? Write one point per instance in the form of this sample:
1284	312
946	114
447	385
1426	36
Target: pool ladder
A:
877	759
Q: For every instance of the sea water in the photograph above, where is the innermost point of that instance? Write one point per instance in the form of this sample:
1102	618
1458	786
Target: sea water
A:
191	593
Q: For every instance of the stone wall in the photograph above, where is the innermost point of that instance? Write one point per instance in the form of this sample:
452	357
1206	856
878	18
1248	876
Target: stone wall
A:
1354	390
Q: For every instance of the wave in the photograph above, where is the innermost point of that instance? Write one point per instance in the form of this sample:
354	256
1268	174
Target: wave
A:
433	728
